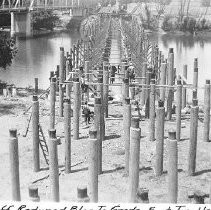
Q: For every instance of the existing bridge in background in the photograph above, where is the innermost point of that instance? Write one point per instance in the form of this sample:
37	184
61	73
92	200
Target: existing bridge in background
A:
21	10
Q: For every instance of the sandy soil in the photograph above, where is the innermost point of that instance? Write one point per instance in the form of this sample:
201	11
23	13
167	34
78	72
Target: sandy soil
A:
113	183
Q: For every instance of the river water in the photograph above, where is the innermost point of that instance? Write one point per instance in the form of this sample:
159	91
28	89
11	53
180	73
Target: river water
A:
37	57
186	48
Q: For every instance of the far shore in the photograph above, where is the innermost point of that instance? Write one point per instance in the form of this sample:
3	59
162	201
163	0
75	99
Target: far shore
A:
197	35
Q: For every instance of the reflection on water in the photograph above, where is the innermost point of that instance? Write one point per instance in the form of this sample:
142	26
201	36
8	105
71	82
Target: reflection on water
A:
186	48
36	58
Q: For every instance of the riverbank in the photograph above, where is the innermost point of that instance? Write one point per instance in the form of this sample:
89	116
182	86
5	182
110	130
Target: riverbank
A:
197	35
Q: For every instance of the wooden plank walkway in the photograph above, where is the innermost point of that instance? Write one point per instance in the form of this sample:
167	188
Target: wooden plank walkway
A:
115	60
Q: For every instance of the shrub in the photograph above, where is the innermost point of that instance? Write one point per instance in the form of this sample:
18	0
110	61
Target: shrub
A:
167	23
73	24
7	50
45	19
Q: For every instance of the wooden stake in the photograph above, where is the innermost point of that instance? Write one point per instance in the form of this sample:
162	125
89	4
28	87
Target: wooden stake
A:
143	91
52	102
135	134
67	134
172	167
179	107
105	89
14	165
35	133
160	113
195	75
33	194
152	111
76	110
193	138
98	127
207	111
36	86
93	166
184	100
53	166
170	83
126	130
163	81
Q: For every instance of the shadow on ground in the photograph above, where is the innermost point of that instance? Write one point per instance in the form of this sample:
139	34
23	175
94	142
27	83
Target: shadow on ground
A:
113	136
7	109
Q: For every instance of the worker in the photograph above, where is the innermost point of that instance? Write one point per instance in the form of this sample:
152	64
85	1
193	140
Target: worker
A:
87	113
113	72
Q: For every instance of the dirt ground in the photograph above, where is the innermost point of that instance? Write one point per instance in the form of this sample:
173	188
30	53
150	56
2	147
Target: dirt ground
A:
113	184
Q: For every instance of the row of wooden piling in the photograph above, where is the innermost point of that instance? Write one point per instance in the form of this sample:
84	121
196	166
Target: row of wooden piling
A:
132	131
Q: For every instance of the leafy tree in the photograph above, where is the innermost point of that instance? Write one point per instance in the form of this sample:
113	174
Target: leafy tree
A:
74	24
45	19
7	50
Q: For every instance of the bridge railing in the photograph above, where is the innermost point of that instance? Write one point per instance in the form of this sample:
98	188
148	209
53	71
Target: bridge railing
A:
33	4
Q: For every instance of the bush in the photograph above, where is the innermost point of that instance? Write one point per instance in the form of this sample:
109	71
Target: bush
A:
7	50
74	24
45	19
149	21
169	23
188	24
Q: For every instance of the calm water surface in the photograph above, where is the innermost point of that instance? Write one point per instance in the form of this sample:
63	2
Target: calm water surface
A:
37	57
186	48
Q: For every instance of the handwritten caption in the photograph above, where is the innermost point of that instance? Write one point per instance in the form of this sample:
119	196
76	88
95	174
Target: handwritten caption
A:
39	206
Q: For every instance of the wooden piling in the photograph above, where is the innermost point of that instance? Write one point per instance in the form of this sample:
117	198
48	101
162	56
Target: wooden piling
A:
152	111
76	110
67	134
198	197
160	115
147	103
36	87
172	167
163	81
143	91
195	75
126	130
125	88
193	138
170	83
86	70
100	88
142	195
82	194
68	90
184	91
132	92
207	111
135	135
14	165
52	102
61	100
53	166
98	126
33	193
105	89
61	80
35	133
67	68
178	108
93	166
